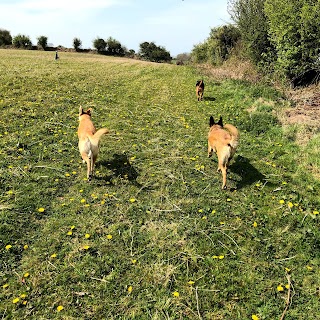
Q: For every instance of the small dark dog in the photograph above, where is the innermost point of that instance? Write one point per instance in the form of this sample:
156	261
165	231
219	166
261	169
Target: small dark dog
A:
199	89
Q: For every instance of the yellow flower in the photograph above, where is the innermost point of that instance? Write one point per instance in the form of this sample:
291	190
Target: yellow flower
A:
130	289
8	247
15	300
287	286
309	268
5	286
25	247
60	308
190	282
26	275
67	174
23	295
132	200
280	288
69	233
72	227
221	257
213	211
86	247
134	261
315	212
54	255
255	224
281	201
87	236
41	210
109	236
200	210
254	317
176	294
290	205
83	200
228	200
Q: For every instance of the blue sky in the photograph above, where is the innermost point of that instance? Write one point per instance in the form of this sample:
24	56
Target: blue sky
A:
177	25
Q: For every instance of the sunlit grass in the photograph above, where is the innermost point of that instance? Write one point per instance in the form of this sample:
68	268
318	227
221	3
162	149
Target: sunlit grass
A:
152	236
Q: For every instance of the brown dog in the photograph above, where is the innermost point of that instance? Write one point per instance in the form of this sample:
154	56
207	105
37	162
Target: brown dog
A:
199	89
89	140
224	140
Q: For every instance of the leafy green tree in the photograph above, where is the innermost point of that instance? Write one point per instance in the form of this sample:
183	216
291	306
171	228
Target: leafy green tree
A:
218	46
77	44
22	41
5	37
99	44
114	47
150	51
295	32
253	25
42	42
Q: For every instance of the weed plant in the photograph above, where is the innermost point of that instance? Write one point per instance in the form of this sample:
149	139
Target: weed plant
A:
152	236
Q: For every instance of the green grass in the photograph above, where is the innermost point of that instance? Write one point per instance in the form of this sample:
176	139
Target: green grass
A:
165	242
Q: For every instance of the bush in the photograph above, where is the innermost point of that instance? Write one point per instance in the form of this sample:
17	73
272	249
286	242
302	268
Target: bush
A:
152	52
5	37
22	41
77	44
42	42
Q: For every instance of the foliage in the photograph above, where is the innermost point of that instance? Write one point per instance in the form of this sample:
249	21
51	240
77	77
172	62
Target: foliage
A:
252	22
42	42
152	236
99	44
295	32
77	43
114	47
22	41
5	37
150	51
218	46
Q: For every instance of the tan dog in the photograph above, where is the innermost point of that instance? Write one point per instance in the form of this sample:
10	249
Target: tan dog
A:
199	89
89	140
224	140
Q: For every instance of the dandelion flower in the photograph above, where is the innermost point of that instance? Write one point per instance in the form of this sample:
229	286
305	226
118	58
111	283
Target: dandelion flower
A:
15	300
280	288
83	200
23	295
130	289
86	247
255	224
281	201
134	261
25	247
309	268
60	308
176	294
5	286
290	205
213	211
109	236
132	200
69	233
87	236
72	227
190	282
315	212
26	275
54	255
41	209
8	247
254	317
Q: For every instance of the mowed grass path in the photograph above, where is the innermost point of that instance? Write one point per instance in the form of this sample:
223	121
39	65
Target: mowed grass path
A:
152	236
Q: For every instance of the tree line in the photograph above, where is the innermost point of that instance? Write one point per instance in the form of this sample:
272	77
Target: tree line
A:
147	50
280	37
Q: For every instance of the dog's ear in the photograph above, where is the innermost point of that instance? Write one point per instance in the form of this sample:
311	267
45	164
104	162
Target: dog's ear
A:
89	112
80	111
211	121
220	123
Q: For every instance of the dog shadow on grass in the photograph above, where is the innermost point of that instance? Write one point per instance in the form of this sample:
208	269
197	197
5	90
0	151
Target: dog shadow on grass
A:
209	98
121	168
247	172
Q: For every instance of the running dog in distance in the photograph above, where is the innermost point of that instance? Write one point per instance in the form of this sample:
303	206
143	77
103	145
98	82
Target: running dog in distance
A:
223	140
89	140
199	89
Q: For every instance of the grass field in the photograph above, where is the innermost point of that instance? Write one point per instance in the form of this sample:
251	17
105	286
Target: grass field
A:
152	236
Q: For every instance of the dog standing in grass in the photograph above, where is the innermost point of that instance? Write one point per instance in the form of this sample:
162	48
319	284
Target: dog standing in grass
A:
89	140
223	140
199	89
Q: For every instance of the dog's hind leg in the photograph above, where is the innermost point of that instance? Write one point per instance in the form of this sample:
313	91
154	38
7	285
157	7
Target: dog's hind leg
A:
88	159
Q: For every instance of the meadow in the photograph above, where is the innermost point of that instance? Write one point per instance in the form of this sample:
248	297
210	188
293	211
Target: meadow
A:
152	236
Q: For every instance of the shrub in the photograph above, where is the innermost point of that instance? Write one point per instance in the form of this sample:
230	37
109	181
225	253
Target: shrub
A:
22	41
42	42
5	37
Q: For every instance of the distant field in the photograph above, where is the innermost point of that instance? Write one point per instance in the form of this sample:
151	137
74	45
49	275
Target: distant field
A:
152	236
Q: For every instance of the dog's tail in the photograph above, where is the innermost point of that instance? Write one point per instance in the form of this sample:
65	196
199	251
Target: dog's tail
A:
234	132
94	139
